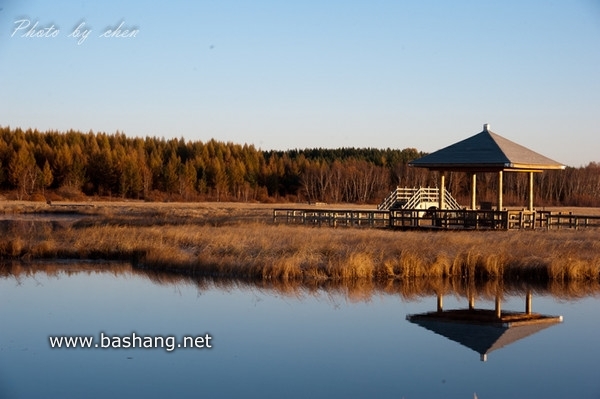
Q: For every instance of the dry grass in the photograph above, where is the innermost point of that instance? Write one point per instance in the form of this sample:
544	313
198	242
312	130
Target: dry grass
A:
235	240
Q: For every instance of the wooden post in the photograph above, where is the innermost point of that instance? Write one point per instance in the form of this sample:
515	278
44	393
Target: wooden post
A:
473	191
521	220
500	190
440	303
442	196
530	191
471	301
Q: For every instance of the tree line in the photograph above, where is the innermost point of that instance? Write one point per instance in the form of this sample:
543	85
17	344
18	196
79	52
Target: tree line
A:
71	164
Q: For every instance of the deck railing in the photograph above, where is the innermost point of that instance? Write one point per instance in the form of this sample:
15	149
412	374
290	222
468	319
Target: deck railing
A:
449	219
446	219
412	198
332	218
562	220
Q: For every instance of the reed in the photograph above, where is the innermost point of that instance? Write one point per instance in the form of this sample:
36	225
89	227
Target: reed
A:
237	242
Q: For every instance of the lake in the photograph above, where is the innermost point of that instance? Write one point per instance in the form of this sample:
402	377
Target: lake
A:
281	341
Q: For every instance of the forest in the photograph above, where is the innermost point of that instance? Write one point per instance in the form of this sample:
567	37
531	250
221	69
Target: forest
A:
73	165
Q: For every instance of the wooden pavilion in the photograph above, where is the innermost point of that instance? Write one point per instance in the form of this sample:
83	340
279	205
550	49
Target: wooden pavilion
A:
486	152
414	208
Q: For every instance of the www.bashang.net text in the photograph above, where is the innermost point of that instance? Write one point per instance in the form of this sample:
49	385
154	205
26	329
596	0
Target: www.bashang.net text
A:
131	341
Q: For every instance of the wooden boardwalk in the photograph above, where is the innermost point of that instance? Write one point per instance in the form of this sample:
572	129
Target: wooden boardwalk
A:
434	219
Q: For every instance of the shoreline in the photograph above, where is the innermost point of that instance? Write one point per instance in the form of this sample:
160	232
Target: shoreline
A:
353	290
238	241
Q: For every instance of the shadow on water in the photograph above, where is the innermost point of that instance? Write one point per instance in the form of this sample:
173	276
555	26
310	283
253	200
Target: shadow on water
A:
354	290
33	225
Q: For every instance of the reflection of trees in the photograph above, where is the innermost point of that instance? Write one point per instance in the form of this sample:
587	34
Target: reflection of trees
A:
357	290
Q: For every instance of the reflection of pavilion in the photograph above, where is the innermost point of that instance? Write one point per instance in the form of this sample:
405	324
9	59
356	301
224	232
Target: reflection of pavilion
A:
484	330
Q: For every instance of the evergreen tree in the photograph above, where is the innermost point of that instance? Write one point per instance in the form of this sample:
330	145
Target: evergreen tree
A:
46	176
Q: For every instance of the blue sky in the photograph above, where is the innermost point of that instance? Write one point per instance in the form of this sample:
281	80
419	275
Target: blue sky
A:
307	74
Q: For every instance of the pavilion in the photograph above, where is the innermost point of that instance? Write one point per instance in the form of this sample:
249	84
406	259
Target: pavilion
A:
486	152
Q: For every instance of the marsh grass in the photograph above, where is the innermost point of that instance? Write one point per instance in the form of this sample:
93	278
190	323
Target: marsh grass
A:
240	242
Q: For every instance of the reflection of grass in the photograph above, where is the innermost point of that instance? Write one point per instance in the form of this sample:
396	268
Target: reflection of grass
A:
241	243
355	290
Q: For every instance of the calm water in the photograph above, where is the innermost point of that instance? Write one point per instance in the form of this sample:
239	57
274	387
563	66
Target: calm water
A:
269	344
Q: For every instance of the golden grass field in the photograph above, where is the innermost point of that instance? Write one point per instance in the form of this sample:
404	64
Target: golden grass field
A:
240	241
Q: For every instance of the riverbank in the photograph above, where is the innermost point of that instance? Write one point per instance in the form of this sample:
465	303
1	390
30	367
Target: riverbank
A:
238	240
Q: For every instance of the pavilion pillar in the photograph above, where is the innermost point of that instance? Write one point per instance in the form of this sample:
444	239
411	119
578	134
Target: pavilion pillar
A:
500	190
442	196
498	306
528	302
473	191
530	208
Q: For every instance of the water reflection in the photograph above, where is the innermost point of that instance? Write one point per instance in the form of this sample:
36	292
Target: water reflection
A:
484	330
357	290
312	339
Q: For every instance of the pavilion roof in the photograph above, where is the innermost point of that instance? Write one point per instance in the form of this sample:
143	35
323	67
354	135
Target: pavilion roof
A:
486	151
480	330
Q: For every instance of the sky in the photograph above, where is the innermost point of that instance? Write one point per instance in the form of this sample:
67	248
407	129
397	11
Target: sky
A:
308	74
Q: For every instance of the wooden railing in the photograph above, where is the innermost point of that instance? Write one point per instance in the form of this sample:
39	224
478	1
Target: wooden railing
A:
449	219
332	218
411	198
444	219
562	220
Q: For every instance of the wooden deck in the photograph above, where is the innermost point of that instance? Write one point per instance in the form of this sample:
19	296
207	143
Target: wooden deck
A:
435	219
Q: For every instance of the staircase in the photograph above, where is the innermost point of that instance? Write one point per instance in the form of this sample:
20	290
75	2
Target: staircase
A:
417	198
